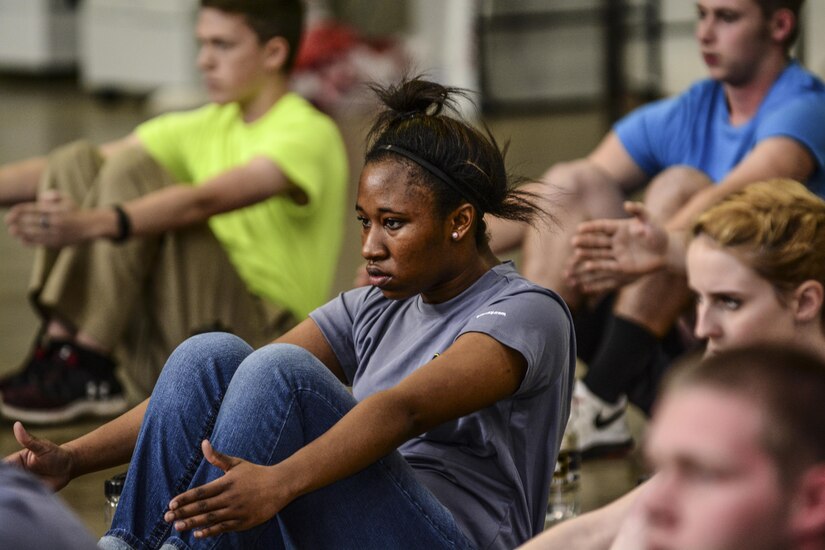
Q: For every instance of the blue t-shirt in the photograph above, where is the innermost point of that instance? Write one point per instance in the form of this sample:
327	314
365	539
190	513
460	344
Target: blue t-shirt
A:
492	468
694	129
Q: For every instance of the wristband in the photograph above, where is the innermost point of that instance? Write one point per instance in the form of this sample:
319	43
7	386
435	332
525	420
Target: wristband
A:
124	224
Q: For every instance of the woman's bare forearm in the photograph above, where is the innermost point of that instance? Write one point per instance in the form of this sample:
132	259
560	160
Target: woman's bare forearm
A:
109	445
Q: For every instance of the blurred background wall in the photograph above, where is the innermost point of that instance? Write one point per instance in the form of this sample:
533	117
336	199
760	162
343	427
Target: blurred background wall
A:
519	53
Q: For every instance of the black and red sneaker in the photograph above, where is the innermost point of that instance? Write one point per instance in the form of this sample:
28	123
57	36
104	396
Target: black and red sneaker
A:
76	382
39	360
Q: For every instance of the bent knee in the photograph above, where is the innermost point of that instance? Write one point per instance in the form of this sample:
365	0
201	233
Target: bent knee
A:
207	354
673	187
575	184
131	173
74	151
287	363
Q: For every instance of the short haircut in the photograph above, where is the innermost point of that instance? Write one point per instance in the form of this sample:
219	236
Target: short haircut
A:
795	6
268	19
787	386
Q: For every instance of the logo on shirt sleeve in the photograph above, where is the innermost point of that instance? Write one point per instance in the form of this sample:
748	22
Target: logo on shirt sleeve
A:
491	312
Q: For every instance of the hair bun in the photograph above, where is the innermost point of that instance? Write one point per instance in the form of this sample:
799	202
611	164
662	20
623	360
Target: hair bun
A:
417	97
433	109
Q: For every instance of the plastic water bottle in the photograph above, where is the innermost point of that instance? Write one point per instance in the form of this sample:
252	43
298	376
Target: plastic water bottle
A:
563	502
112	488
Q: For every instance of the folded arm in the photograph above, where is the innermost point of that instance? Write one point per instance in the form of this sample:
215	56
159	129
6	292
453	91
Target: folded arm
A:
163	210
775	157
612	253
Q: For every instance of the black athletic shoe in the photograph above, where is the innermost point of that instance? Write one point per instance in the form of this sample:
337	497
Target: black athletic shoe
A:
76	382
39	361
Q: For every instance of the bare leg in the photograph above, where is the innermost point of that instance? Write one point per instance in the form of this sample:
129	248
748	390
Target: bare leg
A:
628	358
573	192
656	300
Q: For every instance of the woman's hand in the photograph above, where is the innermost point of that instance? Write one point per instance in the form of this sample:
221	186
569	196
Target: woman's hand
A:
50	462
245	496
54	220
611	253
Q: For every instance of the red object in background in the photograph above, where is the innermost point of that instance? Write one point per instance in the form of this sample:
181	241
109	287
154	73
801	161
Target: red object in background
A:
334	60
324	43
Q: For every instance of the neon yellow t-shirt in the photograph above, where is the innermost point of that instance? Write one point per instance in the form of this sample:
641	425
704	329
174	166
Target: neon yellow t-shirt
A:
286	253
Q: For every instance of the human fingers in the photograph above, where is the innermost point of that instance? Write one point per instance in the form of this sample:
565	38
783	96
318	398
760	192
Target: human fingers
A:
17	214
193	501
58	205
217	459
15	459
637	210
49	196
36	445
592	240
183	503
581	263
583	254
593	277
12	216
594	269
600	285
198	513
210	509
28	222
211	522
606	226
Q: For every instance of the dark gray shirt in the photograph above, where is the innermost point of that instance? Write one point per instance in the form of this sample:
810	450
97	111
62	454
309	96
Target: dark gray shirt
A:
491	468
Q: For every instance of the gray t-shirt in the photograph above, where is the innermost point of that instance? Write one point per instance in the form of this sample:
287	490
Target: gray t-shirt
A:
32	517
491	468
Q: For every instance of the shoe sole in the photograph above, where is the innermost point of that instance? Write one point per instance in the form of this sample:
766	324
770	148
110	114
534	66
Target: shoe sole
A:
74	411
611	450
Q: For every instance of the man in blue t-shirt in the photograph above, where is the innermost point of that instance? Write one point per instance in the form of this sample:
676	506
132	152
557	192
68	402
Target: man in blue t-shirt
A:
760	115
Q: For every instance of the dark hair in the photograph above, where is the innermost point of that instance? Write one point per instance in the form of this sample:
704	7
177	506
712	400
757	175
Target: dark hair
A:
268	19
795	6
787	385
455	161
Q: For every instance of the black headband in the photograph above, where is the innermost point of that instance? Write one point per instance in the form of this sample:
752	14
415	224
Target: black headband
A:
436	171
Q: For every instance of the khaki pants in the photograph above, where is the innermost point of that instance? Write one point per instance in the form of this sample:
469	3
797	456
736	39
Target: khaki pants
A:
143	297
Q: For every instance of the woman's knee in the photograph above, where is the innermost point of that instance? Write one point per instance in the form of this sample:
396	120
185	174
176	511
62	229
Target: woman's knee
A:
285	358
285	365
213	355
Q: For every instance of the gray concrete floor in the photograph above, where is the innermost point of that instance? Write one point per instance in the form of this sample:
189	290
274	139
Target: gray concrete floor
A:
37	114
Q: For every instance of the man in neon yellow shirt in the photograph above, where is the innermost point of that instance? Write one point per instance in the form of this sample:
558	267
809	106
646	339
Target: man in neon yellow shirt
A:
226	217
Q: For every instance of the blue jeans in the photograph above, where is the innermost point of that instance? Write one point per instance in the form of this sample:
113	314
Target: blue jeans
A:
263	406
